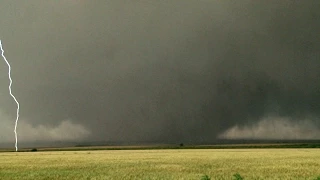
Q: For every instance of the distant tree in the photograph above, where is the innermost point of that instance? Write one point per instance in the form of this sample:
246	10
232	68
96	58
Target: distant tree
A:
34	150
181	144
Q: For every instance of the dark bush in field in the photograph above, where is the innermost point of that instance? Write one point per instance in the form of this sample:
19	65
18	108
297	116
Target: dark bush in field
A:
205	177
237	176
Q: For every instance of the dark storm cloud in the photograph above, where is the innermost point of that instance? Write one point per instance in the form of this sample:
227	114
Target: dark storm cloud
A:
161	71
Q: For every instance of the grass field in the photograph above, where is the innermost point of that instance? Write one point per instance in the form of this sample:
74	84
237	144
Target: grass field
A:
162	164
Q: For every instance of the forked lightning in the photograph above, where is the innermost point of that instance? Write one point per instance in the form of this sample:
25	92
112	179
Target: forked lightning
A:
18	105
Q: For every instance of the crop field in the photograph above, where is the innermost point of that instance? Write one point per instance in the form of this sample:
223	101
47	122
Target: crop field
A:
162	164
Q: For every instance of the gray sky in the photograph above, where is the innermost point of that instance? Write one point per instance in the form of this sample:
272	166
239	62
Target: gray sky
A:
150	70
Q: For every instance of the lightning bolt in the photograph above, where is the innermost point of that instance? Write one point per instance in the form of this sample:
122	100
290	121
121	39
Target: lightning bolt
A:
18	105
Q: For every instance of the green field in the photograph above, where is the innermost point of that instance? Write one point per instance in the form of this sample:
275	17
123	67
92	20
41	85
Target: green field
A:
162	164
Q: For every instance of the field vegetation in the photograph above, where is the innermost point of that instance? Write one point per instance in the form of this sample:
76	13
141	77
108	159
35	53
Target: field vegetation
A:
163	164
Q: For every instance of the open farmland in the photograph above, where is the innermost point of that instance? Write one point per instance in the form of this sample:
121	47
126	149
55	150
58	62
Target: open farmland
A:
162	164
